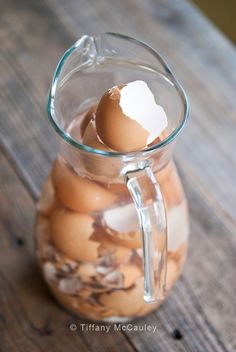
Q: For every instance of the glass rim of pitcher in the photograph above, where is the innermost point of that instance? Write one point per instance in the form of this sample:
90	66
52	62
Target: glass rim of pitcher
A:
51	112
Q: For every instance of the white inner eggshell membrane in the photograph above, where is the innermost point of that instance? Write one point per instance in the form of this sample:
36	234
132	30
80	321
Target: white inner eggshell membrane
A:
123	219
138	103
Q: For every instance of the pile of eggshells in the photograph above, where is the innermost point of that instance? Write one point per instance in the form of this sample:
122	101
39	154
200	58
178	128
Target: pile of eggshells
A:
88	240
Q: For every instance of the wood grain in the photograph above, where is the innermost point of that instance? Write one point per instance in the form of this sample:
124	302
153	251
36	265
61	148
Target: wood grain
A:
202	306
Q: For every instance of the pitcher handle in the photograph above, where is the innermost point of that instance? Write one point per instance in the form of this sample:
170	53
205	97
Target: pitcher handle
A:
146	194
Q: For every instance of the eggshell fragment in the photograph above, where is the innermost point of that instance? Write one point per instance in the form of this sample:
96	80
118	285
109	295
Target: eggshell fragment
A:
66	300
122	219
122	226
128	117
71	235
171	274
180	253
99	165
170	185
78	193
47	198
126	302
177	226
90	115
86	271
130	273
114	128
116	253
118	188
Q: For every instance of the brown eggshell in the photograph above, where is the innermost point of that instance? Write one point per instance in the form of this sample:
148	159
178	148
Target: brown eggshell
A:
179	254
115	129
90	138
126	302
171	274
78	193
170	185
77	304
119	253
86	271
68	301
118	188
160	138
132	240
130	273
47	198
71	232
90	115
95	164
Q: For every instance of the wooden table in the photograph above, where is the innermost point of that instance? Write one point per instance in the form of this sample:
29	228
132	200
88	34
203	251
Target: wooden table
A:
200	314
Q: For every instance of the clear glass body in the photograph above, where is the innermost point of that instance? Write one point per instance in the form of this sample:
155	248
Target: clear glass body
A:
90	229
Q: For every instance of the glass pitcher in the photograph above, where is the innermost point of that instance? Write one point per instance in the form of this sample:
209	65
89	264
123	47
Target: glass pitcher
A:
112	228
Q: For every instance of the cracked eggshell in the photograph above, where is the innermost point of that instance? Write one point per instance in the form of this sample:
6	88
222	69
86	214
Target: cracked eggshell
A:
68	301
172	274
118	254
127	117
86	271
122	225
90	115
71	234
130	274
170	185
177	226
97	164
118	188
125	302
46	200
78	193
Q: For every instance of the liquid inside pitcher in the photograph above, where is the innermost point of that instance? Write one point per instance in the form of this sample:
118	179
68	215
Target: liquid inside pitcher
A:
90	229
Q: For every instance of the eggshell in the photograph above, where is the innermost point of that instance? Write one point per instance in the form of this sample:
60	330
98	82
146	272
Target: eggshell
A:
68	301
90	115
117	253
114	128
130	273
99	165
78	193
126	302
47	198
118	188
86	271
71	235
171	274
132	240
122	226
180	253
170	185
77	304
90	138
85	293
177	226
